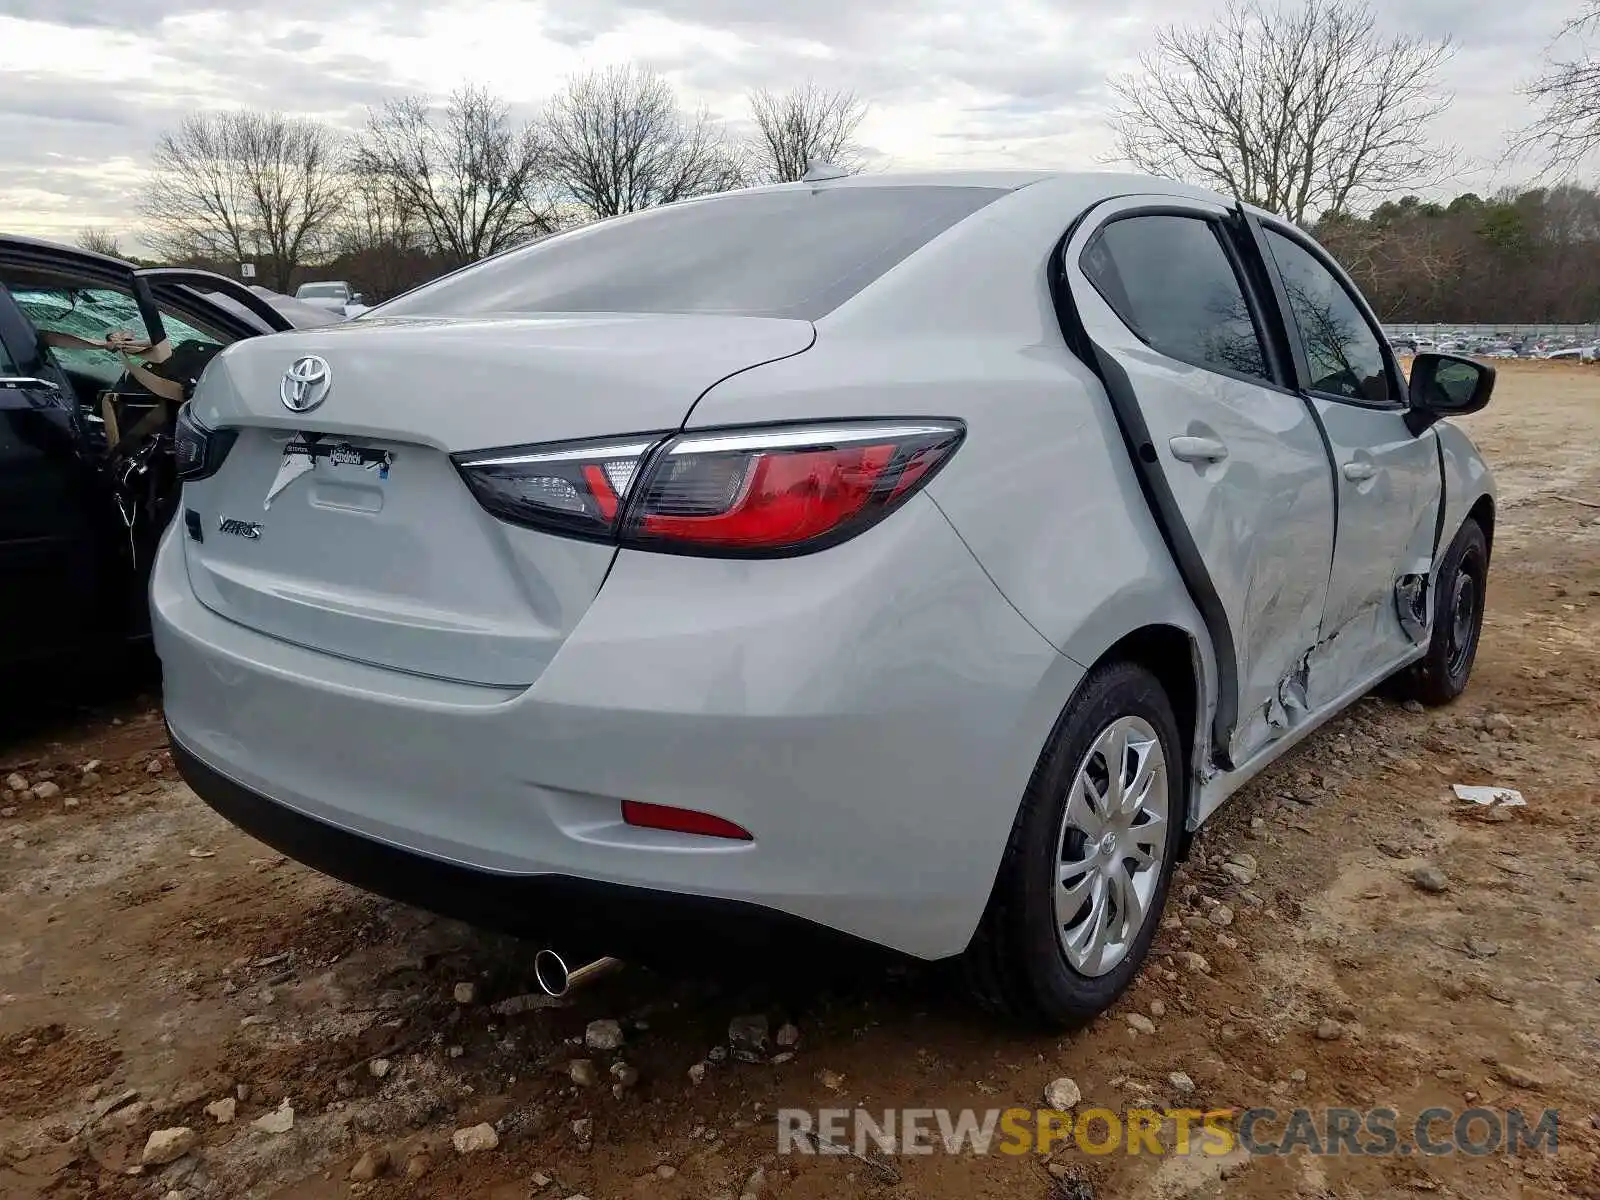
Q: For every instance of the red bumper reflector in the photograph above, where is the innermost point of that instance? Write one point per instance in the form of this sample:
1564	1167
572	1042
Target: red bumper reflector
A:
681	820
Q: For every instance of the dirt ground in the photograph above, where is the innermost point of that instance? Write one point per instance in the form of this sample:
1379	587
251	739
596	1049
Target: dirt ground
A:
154	961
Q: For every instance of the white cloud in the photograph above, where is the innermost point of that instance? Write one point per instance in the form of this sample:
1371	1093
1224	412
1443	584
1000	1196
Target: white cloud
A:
91	83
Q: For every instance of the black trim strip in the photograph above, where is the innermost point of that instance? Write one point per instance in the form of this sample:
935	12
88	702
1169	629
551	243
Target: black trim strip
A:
1444	488
183	288
1153	483
1282	331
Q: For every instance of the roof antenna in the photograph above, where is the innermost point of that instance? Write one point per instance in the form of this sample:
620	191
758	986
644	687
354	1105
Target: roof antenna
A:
817	172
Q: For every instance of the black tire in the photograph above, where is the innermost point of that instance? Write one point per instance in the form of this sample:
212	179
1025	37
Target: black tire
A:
1015	965
1443	672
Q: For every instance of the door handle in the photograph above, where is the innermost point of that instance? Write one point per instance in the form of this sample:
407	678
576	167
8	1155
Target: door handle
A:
1197	449
1358	471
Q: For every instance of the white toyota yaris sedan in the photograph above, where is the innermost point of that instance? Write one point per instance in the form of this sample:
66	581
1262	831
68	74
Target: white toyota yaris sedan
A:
917	558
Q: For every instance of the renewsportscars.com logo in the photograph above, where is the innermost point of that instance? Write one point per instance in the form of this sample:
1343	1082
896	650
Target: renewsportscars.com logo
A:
1176	1131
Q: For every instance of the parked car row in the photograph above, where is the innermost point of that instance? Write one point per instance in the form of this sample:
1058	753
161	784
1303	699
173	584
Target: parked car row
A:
914	561
1501	347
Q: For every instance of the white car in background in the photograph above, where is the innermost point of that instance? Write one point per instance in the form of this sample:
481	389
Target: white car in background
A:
334	295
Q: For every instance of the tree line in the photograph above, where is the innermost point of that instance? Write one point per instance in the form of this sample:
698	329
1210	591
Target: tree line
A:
1307	108
426	187
1530	254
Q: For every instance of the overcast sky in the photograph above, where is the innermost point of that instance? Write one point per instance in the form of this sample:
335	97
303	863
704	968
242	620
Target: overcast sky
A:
89	84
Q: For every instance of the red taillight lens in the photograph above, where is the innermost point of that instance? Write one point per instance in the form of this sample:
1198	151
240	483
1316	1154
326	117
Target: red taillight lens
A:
755	492
782	490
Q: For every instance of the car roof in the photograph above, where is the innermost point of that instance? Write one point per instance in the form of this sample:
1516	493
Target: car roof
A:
1089	186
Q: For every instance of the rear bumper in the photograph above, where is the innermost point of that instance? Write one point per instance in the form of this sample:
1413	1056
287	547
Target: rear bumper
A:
576	916
872	721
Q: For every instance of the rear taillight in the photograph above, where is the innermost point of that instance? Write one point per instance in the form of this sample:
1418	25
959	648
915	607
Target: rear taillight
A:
755	492
576	488
197	450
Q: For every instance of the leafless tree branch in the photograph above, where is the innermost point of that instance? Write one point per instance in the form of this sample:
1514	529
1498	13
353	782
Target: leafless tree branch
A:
1301	110
805	125
618	142
97	240
1567	95
465	176
242	185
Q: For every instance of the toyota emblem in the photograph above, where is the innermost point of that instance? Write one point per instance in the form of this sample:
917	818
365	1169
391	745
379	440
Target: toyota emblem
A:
305	384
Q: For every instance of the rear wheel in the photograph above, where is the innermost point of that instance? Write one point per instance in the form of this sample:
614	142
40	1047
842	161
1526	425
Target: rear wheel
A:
1443	672
1086	872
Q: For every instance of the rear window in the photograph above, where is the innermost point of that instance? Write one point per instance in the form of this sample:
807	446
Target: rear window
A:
792	253
320	291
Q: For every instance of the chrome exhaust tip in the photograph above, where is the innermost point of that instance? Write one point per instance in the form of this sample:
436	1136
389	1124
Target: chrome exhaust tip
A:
551	974
554	979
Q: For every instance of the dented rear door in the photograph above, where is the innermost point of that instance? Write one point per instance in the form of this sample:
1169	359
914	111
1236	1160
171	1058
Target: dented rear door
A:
1231	455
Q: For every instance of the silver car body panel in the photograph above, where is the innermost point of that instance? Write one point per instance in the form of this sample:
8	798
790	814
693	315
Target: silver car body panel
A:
1388	521
1262	518
879	784
403	568
1467	481
433	679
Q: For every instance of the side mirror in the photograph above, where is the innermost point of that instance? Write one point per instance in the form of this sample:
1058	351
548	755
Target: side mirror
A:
1446	385
357	298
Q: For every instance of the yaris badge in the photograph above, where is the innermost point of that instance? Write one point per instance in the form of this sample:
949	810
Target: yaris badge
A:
244	529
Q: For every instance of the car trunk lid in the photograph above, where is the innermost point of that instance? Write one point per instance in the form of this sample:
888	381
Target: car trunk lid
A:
373	548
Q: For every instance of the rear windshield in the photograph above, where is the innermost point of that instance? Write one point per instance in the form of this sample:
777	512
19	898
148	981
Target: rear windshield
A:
791	253
316	291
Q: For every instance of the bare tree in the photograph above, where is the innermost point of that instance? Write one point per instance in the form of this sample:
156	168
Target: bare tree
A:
294	177
1568	97
198	203
802	126
469	177
1300	110
380	239
618	143
98	240
242	185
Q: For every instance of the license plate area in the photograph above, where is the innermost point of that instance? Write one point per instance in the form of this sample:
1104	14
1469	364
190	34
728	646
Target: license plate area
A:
306	453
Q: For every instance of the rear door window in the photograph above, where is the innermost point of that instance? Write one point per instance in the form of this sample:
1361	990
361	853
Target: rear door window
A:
1172	283
797	252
